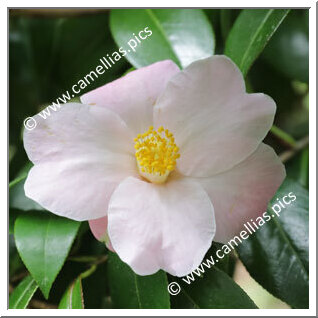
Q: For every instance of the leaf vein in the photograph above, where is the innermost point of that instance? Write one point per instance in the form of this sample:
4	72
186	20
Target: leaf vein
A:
137	291
289	243
24	293
254	37
163	33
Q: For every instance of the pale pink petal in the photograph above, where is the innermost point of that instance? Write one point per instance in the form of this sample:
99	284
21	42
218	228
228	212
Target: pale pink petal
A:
134	95
215	123
99	229
80	153
243	193
169	226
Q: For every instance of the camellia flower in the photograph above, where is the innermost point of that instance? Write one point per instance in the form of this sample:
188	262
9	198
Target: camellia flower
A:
161	162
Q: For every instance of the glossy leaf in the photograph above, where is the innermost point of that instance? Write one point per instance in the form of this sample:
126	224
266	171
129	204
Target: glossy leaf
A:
213	290
276	255
96	288
181	35
227	18
15	263
224	264
129	290
73	45
288	50
43	241
250	33
13	214
22	294
82	42
18	200
73	297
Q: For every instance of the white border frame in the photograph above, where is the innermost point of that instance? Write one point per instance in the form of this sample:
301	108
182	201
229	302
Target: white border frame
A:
312	159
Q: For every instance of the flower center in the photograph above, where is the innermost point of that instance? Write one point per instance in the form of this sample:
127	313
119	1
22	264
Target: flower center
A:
156	154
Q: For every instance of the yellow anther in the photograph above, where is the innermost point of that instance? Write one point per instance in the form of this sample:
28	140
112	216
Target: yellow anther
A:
160	129
156	154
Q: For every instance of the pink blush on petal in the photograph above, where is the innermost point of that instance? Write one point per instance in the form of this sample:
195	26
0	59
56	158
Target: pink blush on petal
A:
99	229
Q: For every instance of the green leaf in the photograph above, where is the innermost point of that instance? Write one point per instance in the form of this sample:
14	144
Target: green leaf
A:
13	214
227	18
214	290
129	290
73	297
276	255
23	293
43	241
81	42
251	31
96	288
288	50
181	35
17	198
15	263
73	45
224	263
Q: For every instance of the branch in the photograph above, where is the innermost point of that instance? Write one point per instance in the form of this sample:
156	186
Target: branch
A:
19	276
301	144
38	304
283	136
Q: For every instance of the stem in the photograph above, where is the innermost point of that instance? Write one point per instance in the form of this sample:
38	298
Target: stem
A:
39	304
19	276
89	272
83	259
17	180
283	136
301	144
101	260
95	261
88	259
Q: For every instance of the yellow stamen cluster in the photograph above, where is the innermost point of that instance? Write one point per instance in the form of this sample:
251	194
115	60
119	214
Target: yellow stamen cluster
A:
156	154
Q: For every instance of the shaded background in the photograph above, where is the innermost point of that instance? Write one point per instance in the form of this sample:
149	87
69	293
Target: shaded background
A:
50	50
